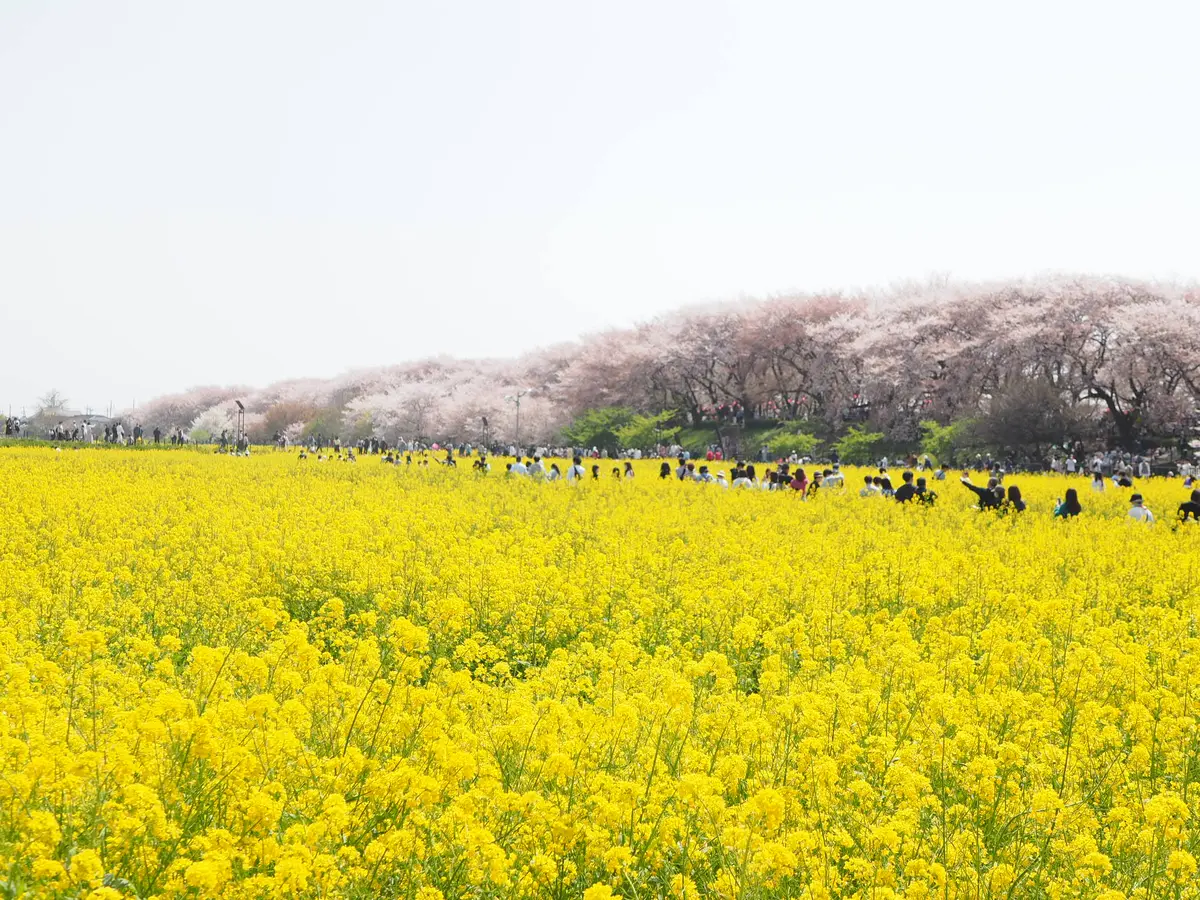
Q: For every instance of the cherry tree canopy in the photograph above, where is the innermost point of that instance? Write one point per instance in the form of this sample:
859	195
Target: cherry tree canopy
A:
1125	355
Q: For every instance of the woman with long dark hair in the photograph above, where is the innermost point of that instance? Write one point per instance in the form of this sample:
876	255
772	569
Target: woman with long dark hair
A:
1069	506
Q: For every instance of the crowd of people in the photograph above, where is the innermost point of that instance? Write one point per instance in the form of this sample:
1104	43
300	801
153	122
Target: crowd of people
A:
913	488
1106	468
86	432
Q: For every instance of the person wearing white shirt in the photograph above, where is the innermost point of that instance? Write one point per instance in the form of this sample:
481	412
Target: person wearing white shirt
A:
1144	469
554	474
576	472
518	468
1138	511
835	478
537	468
1072	464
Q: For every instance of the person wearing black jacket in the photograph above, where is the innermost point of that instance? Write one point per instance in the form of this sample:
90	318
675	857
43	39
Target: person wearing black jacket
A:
1190	509
906	491
989	497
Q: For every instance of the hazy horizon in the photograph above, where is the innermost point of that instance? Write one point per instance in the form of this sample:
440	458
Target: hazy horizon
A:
235	194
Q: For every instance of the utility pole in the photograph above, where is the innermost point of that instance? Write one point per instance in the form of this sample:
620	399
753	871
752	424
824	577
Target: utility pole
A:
515	399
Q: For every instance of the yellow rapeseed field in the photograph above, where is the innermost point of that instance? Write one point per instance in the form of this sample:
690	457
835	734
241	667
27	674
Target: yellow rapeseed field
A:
266	677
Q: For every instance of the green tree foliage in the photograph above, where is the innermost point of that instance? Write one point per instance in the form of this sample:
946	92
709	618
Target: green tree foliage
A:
599	427
942	442
783	442
858	447
647	431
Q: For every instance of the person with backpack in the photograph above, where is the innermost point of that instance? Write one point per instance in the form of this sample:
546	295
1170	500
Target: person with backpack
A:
576	473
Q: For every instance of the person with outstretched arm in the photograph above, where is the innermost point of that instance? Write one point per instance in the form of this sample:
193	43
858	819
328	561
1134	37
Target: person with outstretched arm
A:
989	498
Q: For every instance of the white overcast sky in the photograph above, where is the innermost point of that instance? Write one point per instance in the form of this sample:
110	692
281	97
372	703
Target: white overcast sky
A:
236	192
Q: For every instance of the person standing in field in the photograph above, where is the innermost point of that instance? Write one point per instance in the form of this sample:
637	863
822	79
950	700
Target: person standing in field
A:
1190	509
906	491
1138	510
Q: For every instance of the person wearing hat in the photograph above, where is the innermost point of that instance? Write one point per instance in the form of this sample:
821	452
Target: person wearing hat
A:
1138	510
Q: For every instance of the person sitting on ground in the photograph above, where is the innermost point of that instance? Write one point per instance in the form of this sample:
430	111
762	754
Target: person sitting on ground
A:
664	471
595	472
1138	510
906	491
1098	482
868	489
885	486
1069	506
940	473
555	473
628	469
704	475
1123	479
834	477
989	497
1191	508
1014	503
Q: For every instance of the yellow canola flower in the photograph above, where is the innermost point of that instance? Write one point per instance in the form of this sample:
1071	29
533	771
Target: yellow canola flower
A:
264	678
